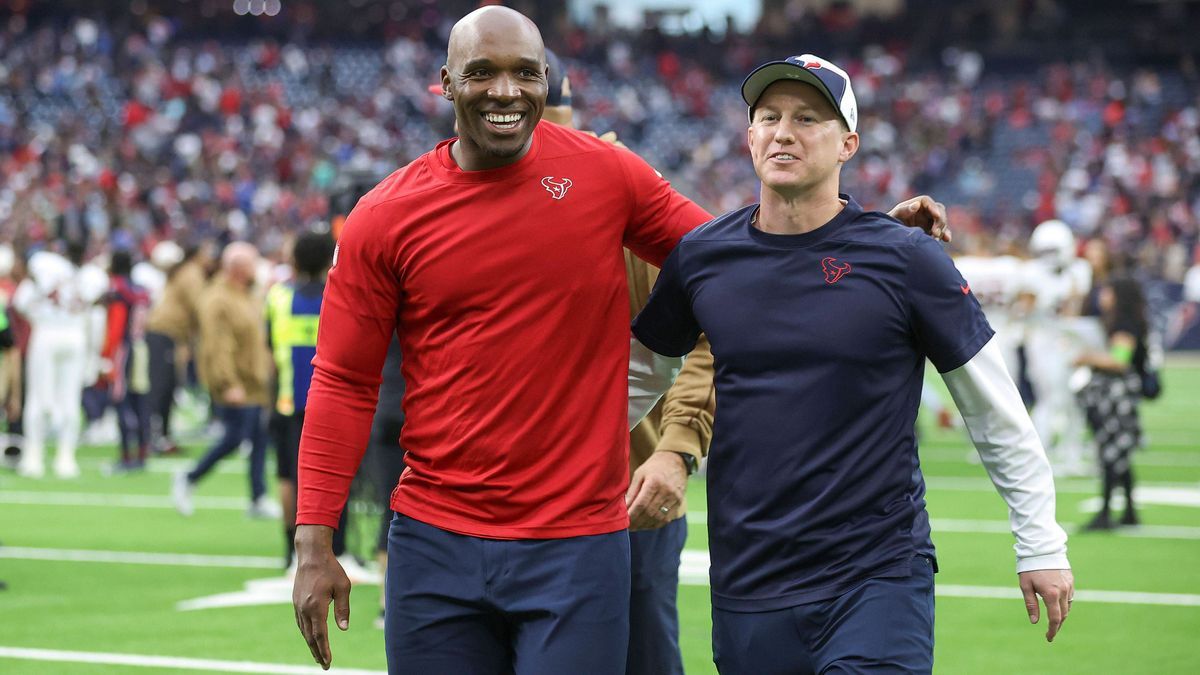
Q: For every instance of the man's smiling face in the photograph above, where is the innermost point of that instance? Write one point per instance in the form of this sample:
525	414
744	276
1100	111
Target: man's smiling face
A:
495	74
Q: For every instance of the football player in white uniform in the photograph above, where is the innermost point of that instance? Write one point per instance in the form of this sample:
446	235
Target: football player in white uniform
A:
58	299
1056	281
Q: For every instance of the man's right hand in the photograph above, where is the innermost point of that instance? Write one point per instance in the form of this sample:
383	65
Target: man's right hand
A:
1057	588
320	580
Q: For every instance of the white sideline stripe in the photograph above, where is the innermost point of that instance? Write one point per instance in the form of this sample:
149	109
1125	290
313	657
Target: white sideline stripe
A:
178	663
138	558
984	484
1002	527
1111	597
169	465
1168	458
117	500
1086	486
700	518
693	571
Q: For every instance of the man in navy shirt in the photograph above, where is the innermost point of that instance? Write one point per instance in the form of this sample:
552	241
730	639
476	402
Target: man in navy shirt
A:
820	316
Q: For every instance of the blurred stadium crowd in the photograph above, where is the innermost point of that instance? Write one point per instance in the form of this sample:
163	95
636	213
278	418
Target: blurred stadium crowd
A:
126	125
163	123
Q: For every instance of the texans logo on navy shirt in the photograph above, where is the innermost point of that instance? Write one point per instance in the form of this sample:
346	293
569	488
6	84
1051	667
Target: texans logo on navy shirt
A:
833	270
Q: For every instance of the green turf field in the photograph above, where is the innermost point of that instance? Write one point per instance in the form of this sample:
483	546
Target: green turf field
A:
98	567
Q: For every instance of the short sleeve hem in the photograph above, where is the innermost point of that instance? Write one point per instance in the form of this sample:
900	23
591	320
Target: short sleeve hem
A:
959	357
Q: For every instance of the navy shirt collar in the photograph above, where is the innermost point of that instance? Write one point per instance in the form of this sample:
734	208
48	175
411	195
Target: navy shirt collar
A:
848	213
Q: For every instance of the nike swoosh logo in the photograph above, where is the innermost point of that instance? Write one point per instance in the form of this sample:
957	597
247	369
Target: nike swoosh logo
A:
966	289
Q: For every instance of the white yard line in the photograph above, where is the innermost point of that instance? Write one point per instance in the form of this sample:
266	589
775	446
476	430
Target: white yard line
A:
1062	486
1081	596
117	500
1168	458
140	558
178	663
693	571
1002	527
169	465
700	518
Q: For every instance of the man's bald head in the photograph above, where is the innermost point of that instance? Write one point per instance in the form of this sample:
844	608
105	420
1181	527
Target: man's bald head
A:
238	262
489	21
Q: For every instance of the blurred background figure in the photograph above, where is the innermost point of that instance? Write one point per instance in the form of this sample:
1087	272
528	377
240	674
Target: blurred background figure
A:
57	299
292	309
11	365
235	366
125	362
151	274
173	329
1058	282
1111	396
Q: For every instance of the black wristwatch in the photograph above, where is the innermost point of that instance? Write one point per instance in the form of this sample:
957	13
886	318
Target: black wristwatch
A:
689	461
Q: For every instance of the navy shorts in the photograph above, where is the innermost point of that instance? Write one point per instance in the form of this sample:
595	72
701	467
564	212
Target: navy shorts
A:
473	606
881	626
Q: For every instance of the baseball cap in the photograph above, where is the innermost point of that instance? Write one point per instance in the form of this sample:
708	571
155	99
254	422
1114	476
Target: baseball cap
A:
558	92
830	80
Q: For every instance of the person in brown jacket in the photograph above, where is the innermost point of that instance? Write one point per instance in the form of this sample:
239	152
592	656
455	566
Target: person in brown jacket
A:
173	325
235	365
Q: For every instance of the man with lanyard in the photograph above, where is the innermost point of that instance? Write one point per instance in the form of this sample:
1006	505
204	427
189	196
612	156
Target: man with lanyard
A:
820	316
292	309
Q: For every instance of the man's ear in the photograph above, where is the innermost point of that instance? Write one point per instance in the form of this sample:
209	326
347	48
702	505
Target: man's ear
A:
849	146
446	93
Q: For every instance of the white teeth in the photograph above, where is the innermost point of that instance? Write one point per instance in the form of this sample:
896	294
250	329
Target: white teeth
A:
783	155
510	118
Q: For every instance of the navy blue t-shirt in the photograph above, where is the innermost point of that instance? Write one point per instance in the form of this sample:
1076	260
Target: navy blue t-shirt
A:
820	341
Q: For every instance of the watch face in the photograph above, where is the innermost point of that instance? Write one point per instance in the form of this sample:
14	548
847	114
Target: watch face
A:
689	460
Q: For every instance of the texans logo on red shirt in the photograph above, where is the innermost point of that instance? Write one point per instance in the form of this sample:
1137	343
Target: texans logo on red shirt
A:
834	271
557	187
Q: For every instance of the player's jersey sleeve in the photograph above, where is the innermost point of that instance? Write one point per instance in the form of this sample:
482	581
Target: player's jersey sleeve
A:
358	317
660	215
947	322
666	324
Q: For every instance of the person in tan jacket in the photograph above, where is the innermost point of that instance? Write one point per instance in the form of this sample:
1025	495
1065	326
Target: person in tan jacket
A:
235	366
172	329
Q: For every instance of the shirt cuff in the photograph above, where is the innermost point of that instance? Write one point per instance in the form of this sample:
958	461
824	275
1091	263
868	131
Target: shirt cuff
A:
680	438
1050	561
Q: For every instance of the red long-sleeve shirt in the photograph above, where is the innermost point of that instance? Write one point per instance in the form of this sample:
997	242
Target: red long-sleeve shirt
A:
507	289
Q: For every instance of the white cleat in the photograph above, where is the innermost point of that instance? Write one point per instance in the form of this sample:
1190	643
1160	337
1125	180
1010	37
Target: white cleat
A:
66	470
356	572
31	469
181	494
264	509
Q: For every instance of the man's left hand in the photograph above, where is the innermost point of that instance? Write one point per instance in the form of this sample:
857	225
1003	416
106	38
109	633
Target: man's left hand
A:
925	213
656	491
1057	588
